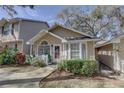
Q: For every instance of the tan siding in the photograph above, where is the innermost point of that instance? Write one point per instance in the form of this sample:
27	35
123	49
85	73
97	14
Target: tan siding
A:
10	37
121	50
50	39
90	50
12	45
16	30
105	55
65	33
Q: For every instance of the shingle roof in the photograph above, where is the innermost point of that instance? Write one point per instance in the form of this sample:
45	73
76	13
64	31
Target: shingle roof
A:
26	19
79	38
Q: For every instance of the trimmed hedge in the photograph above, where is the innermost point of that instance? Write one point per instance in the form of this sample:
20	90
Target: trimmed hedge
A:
80	67
89	68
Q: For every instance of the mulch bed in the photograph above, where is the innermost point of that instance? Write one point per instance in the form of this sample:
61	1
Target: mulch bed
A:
63	75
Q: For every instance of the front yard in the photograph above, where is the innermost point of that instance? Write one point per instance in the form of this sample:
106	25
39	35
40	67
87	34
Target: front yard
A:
13	76
67	80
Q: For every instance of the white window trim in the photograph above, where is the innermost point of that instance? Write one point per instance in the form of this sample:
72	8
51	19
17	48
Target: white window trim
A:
75	51
40	44
80	49
54	51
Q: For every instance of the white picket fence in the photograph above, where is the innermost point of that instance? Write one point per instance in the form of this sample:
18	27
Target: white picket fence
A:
44	57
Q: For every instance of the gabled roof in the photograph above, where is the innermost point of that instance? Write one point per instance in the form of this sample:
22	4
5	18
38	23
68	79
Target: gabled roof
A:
31	20
71	29
3	21
42	33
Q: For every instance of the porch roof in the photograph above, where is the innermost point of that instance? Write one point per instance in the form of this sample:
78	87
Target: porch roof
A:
42	33
113	40
79	38
64	40
71	29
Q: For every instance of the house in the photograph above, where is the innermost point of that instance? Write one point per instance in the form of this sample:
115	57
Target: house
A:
17	31
111	53
63	43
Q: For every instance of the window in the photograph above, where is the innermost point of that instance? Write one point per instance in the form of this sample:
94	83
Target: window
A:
44	43
7	29
75	51
44	48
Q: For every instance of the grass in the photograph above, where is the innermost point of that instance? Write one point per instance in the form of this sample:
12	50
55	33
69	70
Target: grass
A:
18	68
67	80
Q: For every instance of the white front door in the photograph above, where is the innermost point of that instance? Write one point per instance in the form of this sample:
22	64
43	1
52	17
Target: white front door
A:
56	54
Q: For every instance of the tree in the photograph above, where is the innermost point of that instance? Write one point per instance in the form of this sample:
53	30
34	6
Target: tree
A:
102	21
10	9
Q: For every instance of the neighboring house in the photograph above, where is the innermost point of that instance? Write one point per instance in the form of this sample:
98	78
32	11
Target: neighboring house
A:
63	43
111	53
17	31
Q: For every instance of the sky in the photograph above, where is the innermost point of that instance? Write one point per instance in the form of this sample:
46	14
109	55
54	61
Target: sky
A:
42	12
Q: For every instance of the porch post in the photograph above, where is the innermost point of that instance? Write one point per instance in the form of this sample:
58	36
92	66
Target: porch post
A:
69	51
31	49
80	50
64	54
86	51
117	64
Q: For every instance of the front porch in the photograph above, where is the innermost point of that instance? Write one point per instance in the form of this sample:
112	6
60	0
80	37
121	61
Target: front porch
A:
56	52
54	48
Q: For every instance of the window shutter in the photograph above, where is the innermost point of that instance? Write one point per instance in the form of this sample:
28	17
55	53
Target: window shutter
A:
2	30
12	30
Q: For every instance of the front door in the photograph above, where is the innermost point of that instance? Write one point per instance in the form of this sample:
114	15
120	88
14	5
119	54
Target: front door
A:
56	52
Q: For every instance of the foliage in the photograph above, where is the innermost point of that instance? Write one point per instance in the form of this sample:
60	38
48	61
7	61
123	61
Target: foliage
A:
28	59
10	9
49	57
1	59
8	56
102	21
89	68
85	67
73	66
38	61
20	58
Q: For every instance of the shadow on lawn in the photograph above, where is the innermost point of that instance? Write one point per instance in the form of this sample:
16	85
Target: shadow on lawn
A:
17	81
58	78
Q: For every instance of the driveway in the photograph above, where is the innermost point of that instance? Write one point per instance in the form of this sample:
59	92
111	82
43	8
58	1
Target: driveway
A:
23	77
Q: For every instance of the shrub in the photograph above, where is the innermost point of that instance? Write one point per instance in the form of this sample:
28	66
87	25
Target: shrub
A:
8	56
73	66
28	59
85	67
1	59
38	61
62	66
20	58
89	68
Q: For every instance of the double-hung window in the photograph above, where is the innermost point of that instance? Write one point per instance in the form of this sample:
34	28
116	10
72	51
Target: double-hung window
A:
75	51
7	29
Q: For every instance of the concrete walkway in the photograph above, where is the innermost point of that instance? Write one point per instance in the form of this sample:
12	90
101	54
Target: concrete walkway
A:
29	79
